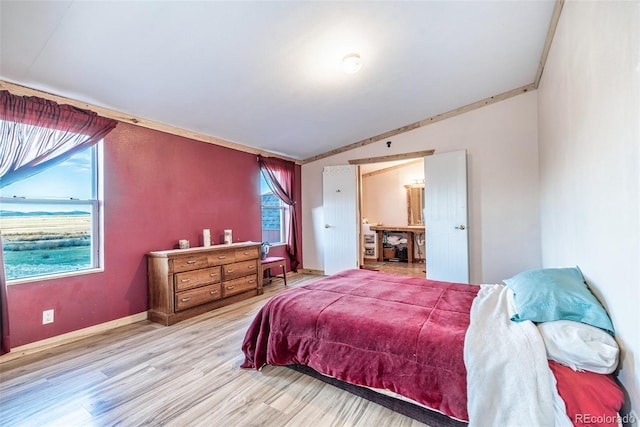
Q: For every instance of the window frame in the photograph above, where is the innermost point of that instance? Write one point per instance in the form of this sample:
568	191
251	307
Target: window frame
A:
97	219
284	216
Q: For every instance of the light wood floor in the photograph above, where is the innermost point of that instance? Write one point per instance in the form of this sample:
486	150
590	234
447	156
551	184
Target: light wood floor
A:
183	375
414	269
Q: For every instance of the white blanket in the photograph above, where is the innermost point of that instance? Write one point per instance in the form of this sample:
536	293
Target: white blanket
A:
509	382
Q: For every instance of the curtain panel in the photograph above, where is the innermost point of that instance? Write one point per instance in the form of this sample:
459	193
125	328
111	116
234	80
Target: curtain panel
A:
280	177
35	134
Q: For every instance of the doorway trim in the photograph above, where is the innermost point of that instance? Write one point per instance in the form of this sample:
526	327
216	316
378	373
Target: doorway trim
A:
392	157
417	155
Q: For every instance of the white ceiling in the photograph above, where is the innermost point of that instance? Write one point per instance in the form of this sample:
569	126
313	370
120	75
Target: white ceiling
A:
267	74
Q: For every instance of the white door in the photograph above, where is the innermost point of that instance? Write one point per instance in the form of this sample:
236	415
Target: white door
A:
445	217
341	232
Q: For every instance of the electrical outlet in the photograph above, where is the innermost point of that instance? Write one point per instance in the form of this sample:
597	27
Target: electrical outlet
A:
47	316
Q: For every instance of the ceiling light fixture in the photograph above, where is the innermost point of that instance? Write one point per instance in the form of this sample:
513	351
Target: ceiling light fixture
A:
351	63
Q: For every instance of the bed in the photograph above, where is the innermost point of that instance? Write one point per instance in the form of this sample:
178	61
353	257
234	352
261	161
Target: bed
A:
436	347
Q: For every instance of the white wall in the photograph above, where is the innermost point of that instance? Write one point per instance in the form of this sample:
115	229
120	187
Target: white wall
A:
502	151
589	126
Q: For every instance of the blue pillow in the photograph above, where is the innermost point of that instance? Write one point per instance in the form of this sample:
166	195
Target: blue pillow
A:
556	294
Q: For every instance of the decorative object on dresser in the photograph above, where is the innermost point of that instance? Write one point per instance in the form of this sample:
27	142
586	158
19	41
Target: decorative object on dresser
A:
186	282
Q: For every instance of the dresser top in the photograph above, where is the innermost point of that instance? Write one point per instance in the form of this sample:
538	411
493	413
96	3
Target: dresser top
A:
201	249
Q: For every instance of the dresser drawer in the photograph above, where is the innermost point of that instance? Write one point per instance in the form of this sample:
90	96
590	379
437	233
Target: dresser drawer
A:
222	257
239	269
237	286
192	279
247	253
197	296
190	262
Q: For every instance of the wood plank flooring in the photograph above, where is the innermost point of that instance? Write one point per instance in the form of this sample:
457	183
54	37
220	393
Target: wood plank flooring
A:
187	374
415	269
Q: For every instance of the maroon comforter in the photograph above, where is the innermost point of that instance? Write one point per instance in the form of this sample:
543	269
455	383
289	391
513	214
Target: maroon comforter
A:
372	329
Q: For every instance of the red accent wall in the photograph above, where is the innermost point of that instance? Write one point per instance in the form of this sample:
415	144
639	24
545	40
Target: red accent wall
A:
158	188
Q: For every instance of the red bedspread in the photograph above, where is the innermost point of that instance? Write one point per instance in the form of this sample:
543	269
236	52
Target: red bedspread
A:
373	329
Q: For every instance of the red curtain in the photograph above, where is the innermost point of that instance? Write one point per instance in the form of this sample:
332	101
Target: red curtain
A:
35	134
280	177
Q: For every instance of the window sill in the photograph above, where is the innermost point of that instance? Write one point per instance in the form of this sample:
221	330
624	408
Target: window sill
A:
54	276
277	244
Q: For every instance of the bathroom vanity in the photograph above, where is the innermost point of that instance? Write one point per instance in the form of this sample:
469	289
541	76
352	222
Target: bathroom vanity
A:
409	229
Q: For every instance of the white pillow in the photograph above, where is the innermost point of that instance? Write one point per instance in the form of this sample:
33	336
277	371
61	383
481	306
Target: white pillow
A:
580	346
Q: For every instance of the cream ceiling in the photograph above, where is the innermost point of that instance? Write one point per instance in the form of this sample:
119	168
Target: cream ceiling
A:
267	74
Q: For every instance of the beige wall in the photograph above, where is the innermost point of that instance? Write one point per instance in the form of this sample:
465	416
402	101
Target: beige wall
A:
589	126
384	197
502	152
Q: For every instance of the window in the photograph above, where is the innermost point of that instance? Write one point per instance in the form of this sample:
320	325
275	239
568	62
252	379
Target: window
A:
273	215
50	221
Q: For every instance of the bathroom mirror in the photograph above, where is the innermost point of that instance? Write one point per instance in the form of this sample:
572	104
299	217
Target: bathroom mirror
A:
415	204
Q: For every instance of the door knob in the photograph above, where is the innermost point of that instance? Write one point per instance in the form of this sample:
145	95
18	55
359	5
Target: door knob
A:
460	227
327	226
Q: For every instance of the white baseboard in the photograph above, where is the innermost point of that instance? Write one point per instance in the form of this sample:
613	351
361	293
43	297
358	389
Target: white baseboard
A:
48	343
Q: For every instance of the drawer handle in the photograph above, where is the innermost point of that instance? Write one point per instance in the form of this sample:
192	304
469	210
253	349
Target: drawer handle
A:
191	261
229	271
252	281
251	266
213	292
213	274
185	299
231	287
246	253
222	257
184	280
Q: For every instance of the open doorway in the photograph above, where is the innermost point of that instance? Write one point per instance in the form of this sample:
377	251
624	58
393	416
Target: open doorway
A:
445	216
391	198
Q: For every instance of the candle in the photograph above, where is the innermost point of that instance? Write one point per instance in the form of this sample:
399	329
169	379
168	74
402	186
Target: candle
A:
206	237
227	237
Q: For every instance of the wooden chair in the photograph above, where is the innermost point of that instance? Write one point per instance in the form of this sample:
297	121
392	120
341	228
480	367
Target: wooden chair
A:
273	261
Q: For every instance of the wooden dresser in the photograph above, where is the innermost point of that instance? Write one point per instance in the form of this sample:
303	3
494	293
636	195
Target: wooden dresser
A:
186	282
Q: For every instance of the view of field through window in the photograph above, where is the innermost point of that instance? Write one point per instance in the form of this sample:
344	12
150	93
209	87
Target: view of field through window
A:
47	220
45	242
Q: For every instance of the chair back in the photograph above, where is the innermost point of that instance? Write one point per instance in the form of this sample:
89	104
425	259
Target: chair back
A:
264	250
